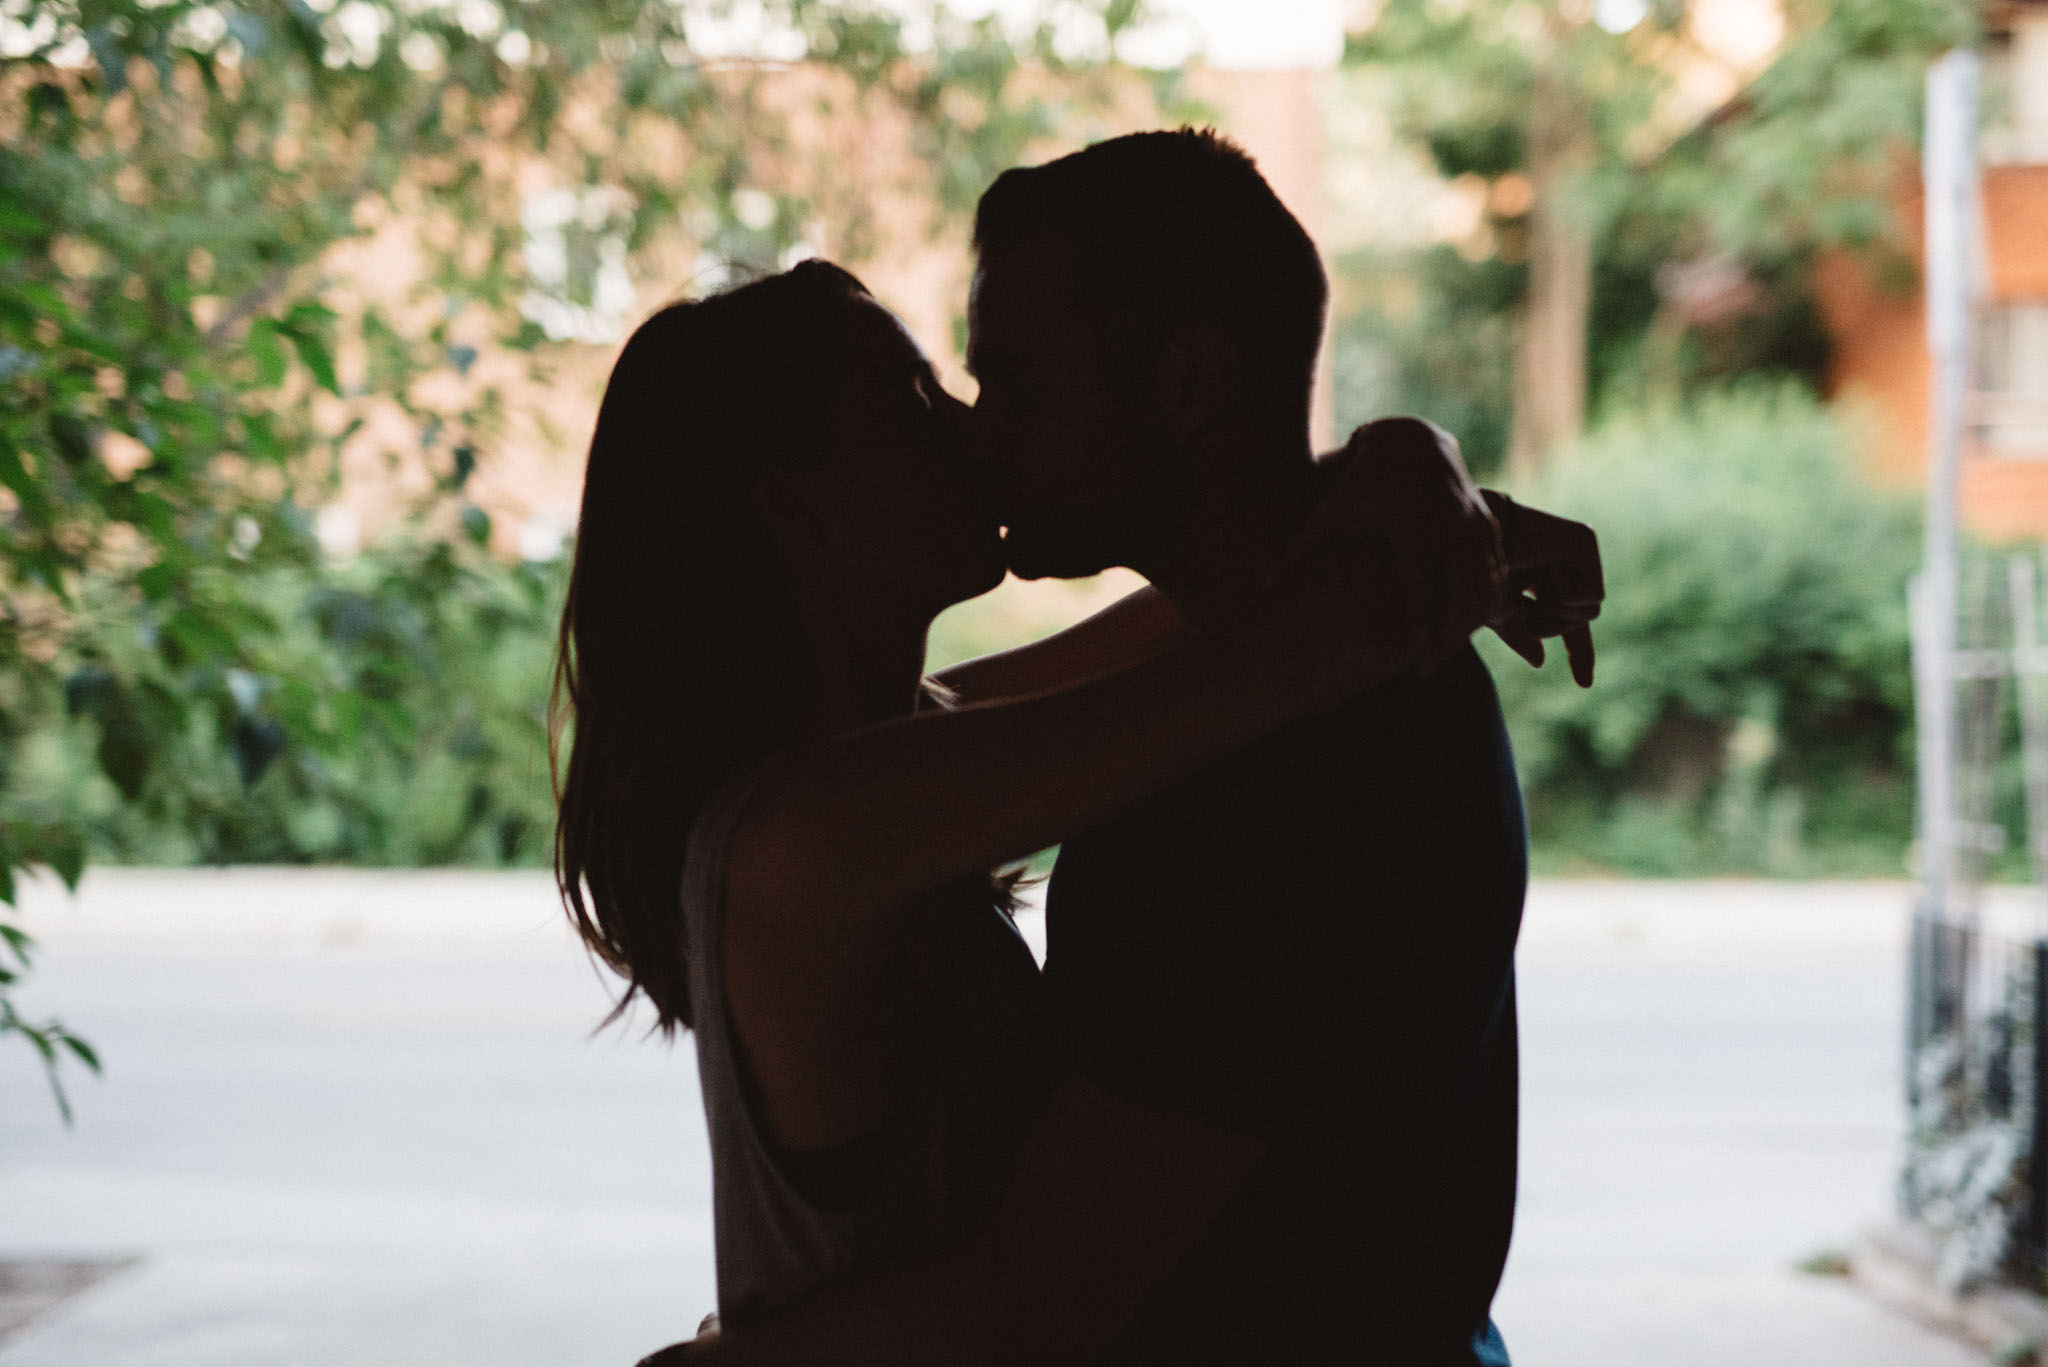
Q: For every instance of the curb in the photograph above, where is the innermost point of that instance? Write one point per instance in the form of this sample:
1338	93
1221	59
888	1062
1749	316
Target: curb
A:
1896	1266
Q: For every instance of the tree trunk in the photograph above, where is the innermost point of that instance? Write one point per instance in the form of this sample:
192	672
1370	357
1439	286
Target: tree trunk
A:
1550	352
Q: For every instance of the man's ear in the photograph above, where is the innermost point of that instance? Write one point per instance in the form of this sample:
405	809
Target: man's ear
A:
1197	378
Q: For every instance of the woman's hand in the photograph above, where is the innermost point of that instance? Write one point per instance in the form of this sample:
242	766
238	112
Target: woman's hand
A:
1554	585
1404	534
1400	491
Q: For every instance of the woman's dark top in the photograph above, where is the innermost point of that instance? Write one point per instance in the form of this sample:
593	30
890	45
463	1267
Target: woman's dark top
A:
781	1229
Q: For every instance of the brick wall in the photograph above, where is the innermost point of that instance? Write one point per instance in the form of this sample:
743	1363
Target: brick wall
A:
1881	363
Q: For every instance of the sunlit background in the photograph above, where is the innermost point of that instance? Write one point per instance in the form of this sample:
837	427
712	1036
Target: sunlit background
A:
305	310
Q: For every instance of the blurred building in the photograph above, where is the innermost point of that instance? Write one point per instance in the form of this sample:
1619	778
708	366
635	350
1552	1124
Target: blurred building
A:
1879	325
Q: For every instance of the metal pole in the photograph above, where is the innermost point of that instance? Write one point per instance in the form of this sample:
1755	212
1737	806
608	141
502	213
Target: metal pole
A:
2035	1237
1949	174
1927	916
1949	180
2023	577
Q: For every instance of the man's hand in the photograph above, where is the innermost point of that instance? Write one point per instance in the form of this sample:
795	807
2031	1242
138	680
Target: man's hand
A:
1553	587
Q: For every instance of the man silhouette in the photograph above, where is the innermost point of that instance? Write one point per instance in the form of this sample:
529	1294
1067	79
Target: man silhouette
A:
1285	990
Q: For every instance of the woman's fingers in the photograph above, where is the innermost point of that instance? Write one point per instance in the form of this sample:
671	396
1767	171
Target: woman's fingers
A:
1530	614
1525	625
1522	639
1578	648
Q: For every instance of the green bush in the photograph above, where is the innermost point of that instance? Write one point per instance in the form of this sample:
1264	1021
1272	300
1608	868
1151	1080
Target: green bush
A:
1753	710
397	716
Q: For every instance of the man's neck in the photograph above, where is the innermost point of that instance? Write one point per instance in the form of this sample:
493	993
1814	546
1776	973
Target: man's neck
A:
1238	522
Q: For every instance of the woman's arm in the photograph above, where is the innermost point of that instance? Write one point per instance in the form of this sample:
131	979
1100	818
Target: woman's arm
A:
1135	628
861	823
865	821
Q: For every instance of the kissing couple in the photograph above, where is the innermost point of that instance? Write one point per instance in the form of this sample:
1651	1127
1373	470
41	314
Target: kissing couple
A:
1260	1105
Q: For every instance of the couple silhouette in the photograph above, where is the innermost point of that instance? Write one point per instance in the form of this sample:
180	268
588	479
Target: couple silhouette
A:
1260	1105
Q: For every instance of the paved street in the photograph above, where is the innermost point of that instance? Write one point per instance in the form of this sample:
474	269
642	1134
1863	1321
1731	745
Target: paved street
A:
1710	1095
357	1118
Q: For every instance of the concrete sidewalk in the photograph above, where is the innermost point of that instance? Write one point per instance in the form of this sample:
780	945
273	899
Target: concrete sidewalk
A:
356	1118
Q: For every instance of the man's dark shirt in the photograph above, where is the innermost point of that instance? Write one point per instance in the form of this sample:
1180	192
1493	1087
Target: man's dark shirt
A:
1314	943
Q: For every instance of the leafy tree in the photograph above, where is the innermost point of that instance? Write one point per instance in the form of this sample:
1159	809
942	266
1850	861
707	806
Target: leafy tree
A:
1592	192
179	373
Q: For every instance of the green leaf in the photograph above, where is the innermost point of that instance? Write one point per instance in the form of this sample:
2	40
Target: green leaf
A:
67	858
106	49
48	98
527	337
15	219
308	315
313	352
260	439
127	748
158	581
256	742
18	941
83	1052
268	353
86	689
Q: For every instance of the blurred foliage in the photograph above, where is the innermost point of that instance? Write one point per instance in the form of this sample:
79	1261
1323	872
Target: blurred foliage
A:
1752	711
401	721
1804	155
1703	235
1810	154
183	359
1427	332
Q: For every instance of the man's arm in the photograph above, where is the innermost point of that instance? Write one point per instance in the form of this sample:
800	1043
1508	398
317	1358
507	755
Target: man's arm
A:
1107	1198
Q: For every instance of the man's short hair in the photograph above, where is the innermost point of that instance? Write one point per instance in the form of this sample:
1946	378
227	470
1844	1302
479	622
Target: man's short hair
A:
1176	227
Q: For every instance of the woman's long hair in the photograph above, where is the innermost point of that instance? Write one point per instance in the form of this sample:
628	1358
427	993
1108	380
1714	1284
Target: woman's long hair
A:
680	655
